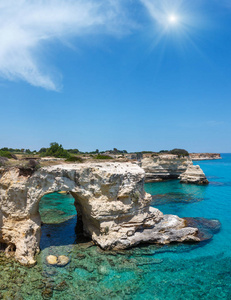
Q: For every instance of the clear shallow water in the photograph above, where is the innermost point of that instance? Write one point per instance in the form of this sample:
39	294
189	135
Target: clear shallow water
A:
200	271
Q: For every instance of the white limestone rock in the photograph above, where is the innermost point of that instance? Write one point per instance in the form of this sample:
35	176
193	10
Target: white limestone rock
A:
52	260
195	175
63	260
109	198
164	166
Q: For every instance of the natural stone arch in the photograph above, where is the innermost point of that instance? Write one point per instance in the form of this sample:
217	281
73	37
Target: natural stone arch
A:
53	221
110	198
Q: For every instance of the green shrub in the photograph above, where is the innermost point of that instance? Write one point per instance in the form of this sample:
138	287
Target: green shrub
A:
7	154
179	152
74	159
55	150
100	156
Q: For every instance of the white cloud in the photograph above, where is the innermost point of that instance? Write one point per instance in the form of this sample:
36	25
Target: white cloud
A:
26	26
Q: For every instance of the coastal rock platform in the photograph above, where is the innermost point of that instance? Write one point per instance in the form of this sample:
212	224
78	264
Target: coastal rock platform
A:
112	207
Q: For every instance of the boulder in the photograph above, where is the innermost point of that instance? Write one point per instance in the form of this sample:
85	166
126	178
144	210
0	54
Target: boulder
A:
52	259
62	261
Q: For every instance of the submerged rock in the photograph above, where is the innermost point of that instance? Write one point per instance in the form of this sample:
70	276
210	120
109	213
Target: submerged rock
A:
47	293
174	198
103	270
206	227
62	261
52	259
62	286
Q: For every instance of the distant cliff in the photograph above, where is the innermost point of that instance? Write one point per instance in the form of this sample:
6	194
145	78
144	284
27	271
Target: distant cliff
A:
169	166
205	156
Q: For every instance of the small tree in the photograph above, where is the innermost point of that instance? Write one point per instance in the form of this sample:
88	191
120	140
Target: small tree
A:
179	152
56	150
42	150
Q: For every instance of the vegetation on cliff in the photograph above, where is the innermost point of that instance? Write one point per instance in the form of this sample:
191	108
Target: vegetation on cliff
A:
99	156
179	152
7	154
54	150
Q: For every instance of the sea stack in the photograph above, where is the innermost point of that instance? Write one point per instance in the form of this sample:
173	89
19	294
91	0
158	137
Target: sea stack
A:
194	174
168	166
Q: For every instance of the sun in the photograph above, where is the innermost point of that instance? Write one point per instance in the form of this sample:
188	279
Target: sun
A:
173	19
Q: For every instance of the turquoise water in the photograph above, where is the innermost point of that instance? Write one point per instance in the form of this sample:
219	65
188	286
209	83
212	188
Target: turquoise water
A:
198	271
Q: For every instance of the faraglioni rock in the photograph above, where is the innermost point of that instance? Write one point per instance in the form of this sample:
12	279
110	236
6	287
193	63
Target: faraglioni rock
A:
170	166
164	166
193	174
110	200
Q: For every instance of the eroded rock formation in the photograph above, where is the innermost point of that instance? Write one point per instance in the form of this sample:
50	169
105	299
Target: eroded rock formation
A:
165	166
169	166
109	198
193	174
205	156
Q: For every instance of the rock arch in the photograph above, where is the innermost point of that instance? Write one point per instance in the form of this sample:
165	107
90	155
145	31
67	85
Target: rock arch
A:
110	198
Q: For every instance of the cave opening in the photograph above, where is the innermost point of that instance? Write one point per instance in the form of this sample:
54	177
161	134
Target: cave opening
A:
61	222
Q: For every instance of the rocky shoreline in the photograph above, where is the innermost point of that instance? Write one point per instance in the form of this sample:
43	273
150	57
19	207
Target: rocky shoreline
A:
110	201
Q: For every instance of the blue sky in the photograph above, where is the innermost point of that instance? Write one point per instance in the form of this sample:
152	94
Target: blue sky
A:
135	75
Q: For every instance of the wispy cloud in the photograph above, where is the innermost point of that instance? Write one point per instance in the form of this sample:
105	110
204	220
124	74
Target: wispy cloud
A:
27	26
159	10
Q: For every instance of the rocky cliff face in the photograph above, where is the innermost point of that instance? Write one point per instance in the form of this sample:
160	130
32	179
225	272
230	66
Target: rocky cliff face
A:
205	156
109	198
195	175
162	167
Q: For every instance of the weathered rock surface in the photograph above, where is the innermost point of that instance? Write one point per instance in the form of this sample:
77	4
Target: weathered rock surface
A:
109	198
52	259
63	260
205	156
193	174
166	166
169	166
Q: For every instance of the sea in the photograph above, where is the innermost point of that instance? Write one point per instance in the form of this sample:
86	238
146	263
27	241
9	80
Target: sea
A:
176	271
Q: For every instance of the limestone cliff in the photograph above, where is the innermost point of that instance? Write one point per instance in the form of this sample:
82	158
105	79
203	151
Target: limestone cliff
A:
195	175
109	198
205	156
166	166
169	166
